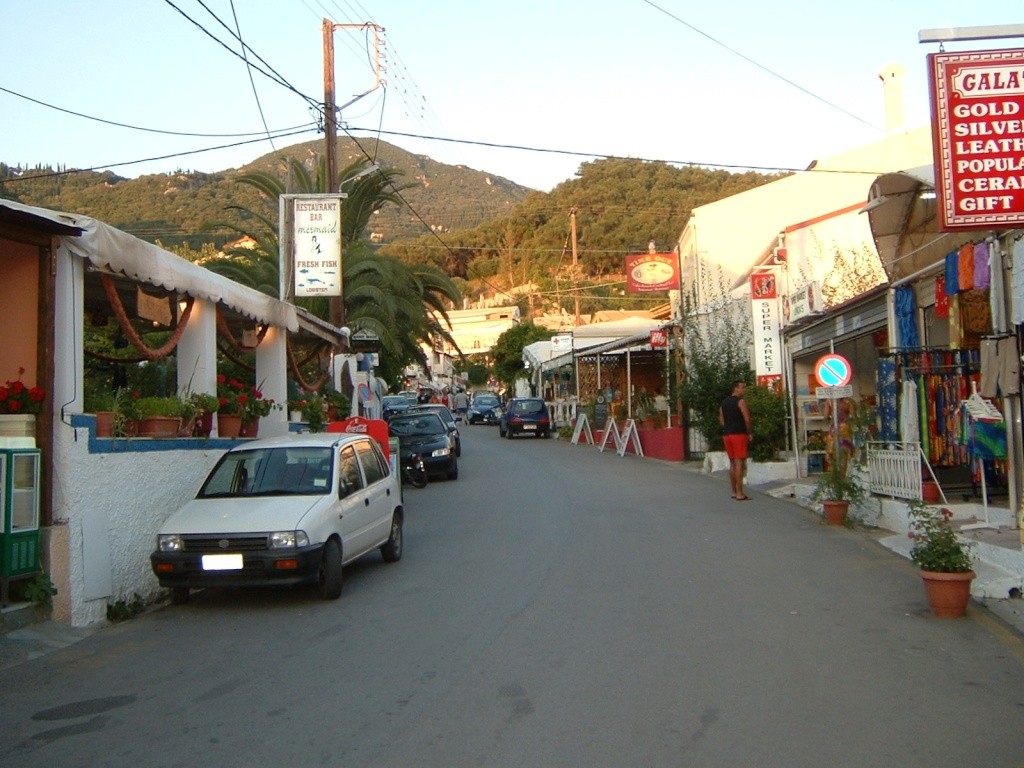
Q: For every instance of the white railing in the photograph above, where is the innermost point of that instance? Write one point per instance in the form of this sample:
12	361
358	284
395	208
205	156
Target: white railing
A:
563	411
895	469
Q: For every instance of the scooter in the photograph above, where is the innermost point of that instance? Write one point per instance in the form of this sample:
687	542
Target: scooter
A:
414	472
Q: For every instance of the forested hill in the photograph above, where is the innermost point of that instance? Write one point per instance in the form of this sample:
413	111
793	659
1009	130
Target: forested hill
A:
620	205
177	207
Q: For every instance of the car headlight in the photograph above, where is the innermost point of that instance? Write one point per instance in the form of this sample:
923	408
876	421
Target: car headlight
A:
440	451
288	539
169	542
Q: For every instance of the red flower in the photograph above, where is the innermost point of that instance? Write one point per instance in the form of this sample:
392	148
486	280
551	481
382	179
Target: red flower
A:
14	406
221	378
15	397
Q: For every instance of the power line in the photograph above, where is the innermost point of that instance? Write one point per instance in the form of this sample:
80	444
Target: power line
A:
762	67
144	129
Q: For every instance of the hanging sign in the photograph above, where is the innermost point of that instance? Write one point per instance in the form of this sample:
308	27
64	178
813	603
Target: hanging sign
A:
316	239
646	272
659	338
977	100
767	325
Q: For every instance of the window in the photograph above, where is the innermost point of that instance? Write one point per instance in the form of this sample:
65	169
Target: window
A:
372	461
348	468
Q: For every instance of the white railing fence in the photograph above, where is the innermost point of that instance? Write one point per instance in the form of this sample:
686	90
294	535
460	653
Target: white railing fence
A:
895	469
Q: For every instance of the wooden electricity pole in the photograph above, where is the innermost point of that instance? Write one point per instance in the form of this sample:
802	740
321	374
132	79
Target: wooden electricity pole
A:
575	264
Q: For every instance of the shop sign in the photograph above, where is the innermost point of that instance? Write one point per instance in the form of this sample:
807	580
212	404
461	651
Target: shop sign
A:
316	238
659	338
977	100
646	272
803	303
561	343
764	302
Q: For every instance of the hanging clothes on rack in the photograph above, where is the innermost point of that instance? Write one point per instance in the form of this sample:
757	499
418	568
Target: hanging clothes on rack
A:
887	389
910	426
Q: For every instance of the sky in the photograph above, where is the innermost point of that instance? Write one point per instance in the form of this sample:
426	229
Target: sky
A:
526	90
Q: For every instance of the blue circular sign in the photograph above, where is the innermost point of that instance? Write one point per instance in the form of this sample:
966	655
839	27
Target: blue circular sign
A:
833	371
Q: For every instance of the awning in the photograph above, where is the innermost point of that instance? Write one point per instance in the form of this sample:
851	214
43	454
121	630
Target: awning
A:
112	250
902	215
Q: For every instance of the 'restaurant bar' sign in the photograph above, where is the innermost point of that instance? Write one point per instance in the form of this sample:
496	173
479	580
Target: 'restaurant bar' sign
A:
978	135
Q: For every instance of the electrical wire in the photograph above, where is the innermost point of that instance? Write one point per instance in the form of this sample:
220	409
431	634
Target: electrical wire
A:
762	67
143	129
252	81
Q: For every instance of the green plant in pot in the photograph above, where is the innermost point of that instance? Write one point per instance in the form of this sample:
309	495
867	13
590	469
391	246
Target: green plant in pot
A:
159	416
103	404
204	406
946	561
836	491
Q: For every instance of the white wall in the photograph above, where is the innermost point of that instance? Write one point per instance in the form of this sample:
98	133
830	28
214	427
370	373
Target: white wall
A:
111	505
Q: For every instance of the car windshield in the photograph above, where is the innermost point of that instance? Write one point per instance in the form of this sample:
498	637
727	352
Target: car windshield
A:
270	472
416	426
529	406
485	401
395	401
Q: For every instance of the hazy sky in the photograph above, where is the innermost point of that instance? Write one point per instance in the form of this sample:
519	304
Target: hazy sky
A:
739	84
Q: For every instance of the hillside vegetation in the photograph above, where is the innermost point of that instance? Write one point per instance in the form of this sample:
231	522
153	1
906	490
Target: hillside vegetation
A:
493	236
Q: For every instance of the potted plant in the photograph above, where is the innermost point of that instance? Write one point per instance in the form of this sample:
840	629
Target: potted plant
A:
232	400
159	416
204	405
314	412
836	491
19	405
337	403
256	407
103	406
944	559
643	406
126	414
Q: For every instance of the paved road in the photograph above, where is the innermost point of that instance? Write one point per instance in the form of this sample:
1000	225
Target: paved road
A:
555	607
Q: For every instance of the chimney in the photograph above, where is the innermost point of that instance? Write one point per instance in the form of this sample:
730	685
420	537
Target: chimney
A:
892	85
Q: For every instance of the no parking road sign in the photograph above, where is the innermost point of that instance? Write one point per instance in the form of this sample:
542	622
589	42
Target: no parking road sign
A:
833	371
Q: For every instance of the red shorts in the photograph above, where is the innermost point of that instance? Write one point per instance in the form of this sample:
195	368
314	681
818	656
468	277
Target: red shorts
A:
735	446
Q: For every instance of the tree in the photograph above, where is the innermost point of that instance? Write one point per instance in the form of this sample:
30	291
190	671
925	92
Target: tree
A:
508	350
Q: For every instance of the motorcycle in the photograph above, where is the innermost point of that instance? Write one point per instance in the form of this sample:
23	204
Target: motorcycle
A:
414	472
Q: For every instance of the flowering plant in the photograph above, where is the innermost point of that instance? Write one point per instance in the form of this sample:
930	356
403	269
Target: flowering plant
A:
232	397
936	545
15	397
256	405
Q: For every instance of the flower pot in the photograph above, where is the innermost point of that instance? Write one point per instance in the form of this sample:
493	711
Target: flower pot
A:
228	426
947	593
159	426
835	511
104	423
930	492
204	425
250	428
18	425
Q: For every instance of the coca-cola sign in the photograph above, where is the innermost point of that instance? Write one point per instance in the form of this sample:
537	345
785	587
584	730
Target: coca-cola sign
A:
978	136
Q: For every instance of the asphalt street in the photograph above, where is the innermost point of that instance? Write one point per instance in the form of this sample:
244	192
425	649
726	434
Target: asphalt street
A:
556	606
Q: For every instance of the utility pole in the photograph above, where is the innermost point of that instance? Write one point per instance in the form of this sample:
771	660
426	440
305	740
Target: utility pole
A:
331	110
575	264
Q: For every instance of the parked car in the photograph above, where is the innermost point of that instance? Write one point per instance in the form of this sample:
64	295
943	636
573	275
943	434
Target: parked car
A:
485	409
281	511
525	416
392	404
420	431
448	419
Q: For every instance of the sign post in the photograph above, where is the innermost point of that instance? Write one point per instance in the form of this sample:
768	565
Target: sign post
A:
834	373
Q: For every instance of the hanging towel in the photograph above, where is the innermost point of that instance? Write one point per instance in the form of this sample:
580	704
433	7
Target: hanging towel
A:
956	333
941	298
1017	282
997	289
888	399
965	267
952	273
906	316
910	424
982	276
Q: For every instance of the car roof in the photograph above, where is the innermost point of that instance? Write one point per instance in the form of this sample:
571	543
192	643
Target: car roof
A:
302	440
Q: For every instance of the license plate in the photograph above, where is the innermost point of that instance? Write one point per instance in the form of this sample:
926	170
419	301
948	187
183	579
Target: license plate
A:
222	562
529	426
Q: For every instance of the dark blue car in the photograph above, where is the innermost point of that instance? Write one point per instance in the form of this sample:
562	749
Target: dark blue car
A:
486	409
525	416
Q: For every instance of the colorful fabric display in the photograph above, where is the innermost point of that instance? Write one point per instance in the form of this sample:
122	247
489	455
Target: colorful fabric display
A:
974	311
956	335
952	273
906	316
965	267
989	440
941	298
982	273
1017	281
888	397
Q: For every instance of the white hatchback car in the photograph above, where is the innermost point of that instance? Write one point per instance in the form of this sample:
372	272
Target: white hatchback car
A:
280	511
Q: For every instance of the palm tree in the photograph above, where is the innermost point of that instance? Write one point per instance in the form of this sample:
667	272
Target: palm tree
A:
403	304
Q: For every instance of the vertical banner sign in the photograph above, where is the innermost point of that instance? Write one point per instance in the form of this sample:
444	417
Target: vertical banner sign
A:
764	302
647	272
316	236
978	136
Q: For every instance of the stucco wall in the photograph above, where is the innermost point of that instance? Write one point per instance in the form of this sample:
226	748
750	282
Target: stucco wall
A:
112	503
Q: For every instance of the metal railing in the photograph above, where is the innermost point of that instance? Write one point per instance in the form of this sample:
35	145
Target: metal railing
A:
895	469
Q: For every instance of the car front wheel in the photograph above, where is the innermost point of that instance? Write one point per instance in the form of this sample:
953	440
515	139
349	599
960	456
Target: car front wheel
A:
330	578
391	550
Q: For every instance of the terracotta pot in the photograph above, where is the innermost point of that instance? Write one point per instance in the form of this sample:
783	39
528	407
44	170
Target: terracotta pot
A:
104	423
159	426
947	593
930	492
204	424
835	511
250	428
228	426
